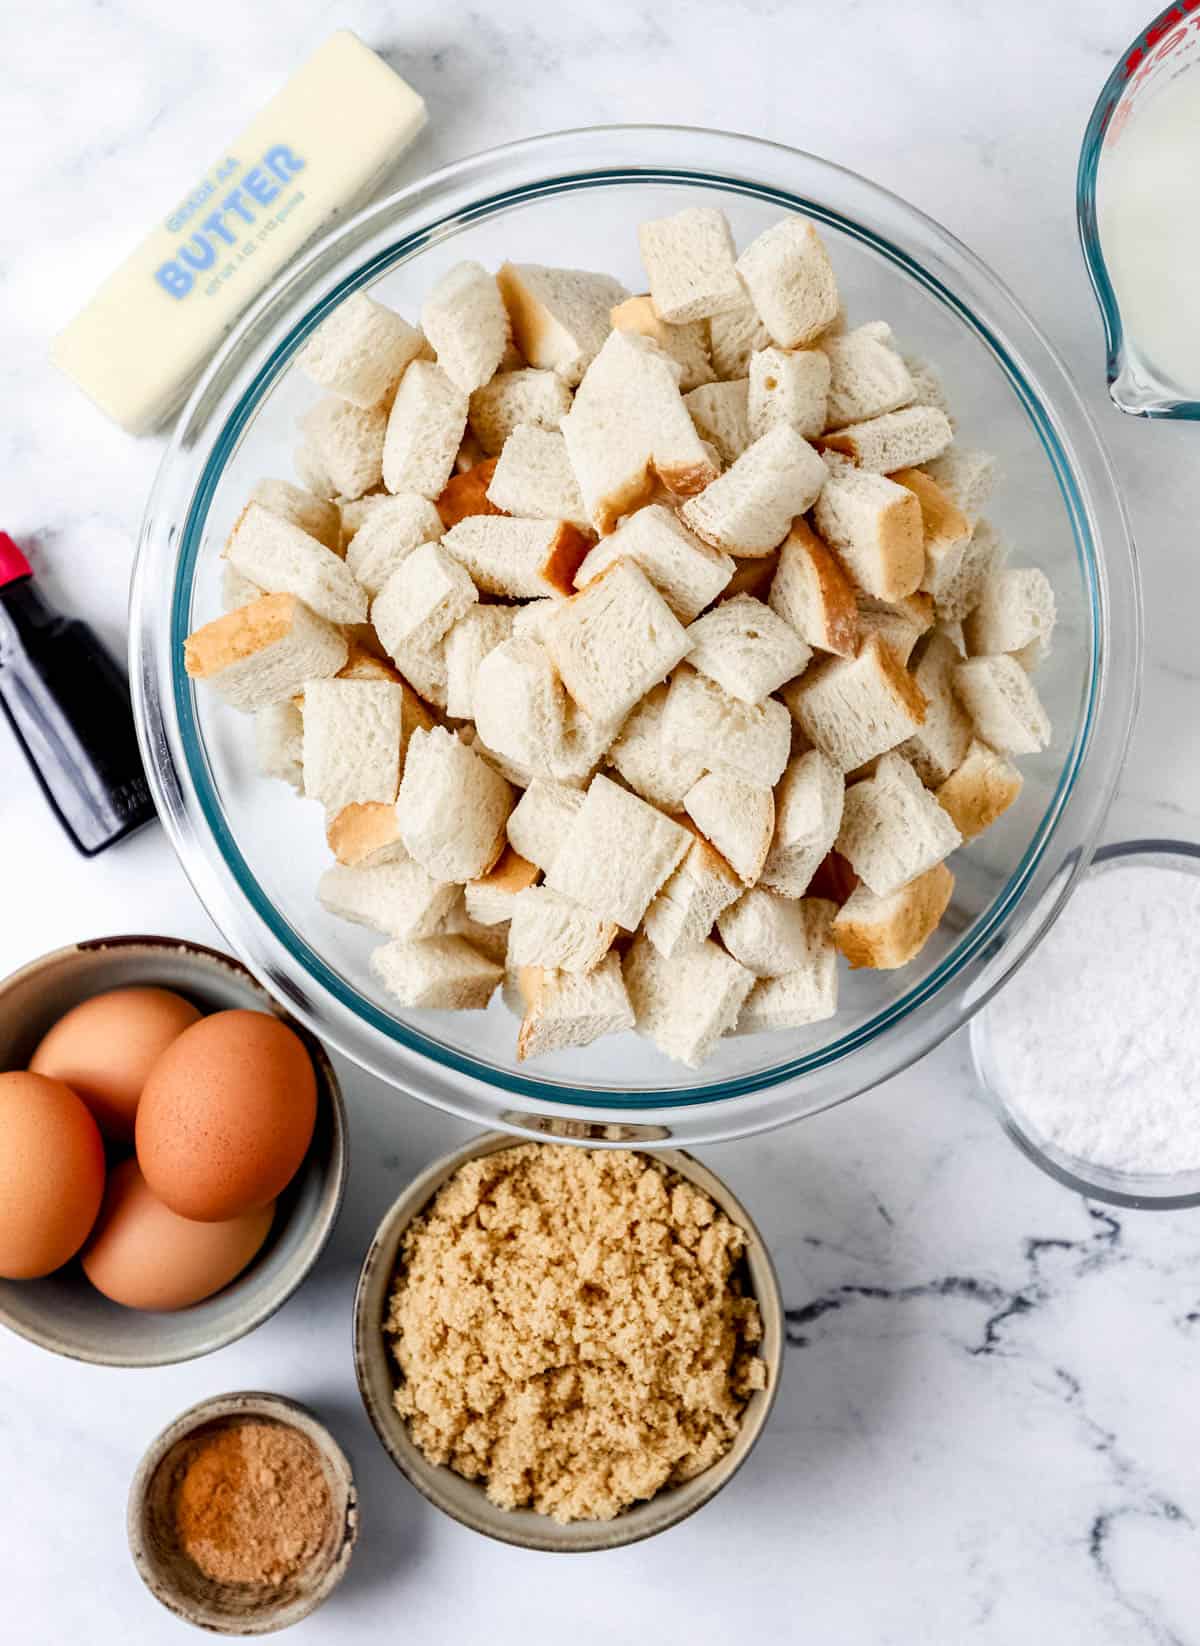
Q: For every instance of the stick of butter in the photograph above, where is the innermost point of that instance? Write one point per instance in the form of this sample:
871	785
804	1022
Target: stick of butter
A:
317	150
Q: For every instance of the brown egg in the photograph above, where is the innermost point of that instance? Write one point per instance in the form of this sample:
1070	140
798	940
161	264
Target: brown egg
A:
226	1116
105	1047
51	1175
144	1256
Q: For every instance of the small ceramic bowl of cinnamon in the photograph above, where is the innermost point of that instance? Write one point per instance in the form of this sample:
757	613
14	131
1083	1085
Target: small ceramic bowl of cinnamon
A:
243	1514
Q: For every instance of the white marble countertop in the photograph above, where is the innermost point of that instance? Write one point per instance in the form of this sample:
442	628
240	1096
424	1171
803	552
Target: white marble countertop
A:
983	1431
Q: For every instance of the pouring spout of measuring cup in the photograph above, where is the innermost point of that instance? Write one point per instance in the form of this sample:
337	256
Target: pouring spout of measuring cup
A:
1138	225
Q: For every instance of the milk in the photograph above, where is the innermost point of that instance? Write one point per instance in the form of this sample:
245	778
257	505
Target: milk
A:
1148	211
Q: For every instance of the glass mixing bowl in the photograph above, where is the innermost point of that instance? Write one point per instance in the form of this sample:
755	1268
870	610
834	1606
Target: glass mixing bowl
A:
254	853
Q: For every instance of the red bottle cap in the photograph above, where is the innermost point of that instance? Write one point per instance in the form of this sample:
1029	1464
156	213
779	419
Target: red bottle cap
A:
13	563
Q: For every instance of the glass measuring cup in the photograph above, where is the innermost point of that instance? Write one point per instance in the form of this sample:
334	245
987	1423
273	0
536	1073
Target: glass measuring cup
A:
1138	224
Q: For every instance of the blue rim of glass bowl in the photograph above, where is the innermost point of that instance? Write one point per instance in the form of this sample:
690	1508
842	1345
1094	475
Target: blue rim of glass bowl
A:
543	1090
1128	64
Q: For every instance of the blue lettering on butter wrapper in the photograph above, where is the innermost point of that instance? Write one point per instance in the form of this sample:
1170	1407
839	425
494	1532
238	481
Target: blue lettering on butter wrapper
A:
284	162
198	253
259	186
175	281
255	189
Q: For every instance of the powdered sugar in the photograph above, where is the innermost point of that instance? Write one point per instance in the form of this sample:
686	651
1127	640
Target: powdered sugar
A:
1095	1044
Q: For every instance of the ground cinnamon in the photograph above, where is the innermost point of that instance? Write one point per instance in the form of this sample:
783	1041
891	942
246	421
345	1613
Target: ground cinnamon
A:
250	1502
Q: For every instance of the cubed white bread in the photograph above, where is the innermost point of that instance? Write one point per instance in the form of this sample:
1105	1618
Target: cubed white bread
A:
874	526
564	1009
490	899
945	528
541	819
953	631
559	317
687	573
520	705
388	535
684	911
650	765
396	898
750	509
529	620
746	648
788	386
685	1003
539	399
928	389
354	512
1002	702
478	632
892	827
438	973
627	426
791	282
808	815
982	789
236	590
960	589
352	741
613	641
805	995
279	742
489	941
766	933
967	476
868	377
518	559
686	344
737	817
264	652
1015	611
615	854
752	577
465	494
365	834
553	931
940	745
361	351
721	413
897	440
732	339
854	708
312	471
513	772
346	442
750	740
885	933
691	264
465	320
585	743
315	515
282	559
452	807
422	600
423	668
424	431
899	623
812	593
533	477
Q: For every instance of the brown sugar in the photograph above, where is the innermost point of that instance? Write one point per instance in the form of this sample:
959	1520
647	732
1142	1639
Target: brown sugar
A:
571	1330
250	1502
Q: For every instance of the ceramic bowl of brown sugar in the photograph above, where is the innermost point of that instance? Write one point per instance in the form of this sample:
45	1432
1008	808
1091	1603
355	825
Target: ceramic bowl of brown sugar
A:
243	1514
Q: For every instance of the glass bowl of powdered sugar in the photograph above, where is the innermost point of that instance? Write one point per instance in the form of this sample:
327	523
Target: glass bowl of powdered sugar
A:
1091	1054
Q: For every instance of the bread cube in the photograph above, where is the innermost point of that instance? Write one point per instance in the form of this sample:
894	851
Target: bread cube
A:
750	509
875	528
897	440
613	641
537	399
899	623
788	386
565	1009
1000	698
397	898
812	593
690	263
264	652
423	668
465	494
868	377
422	600
388	535
315	515
982	789
452	807
352	741
940	745
489	900
1015	612
346	442
743	739
559	317
366	832
520	705
615	854
313	474
424	431
733	338
885	933
967	476
946	531
236	590
650	765
439	973
552	931
959	587
855	708
738	817
892	828
280	558
279	742
808	815
806	995
746	648
691	898
791	282
686	344
686	572
686	1002
541	820
518	559
361	351
533	477
721	413
465	320
766	933
479	631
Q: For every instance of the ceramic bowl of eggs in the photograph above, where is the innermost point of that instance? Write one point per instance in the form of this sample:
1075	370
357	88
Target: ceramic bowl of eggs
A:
172	1151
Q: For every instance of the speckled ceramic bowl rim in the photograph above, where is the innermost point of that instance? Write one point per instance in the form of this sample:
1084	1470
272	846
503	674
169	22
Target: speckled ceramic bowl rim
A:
524	1527
245	1403
328	1088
